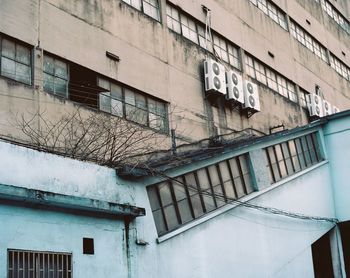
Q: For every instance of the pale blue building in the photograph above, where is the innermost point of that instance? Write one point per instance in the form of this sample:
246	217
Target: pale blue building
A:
272	206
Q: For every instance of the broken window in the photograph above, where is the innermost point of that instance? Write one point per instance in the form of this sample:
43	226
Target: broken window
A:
15	61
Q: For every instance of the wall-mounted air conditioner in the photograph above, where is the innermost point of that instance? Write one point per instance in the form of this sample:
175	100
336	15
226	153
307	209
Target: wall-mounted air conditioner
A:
315	105
214	74
327	108
234	84
335	109
251	96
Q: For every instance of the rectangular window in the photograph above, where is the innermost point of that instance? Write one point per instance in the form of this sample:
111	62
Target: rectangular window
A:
220	48
187	197
149	7
188	28
134	106
292	156
173	19
55	76
272	11
38	264
15	61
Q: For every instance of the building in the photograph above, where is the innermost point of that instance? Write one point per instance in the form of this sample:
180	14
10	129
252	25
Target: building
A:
271	206
139	66
147	56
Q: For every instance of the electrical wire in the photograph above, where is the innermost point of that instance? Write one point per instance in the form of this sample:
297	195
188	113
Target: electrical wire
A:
270	210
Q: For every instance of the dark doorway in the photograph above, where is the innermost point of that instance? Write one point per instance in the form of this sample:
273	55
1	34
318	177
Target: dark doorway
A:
345	238
322	257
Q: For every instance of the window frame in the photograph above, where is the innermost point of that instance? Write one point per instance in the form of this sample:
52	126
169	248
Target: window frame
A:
29	66
142	8
207	188
304	146
163	115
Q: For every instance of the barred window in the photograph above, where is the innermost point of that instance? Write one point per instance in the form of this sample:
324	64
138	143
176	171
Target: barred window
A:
148	7
134	106
55	76
177	201
292	156
38	264
15	61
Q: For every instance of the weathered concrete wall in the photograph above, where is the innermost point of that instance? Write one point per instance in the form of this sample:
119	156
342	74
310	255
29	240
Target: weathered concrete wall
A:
161	63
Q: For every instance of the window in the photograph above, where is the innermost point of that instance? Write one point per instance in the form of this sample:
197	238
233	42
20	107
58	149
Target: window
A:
148	7
132	105
307	40
55	76
269	77
193	30
272	11
333	13
38	264
188	28
173	19
15	61
339	67
292	156
177	201
304	98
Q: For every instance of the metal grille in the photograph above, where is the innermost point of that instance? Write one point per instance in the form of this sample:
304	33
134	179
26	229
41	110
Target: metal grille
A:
30	264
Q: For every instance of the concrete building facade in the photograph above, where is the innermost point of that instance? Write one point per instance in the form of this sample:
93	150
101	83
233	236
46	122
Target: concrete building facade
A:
251	207
59	55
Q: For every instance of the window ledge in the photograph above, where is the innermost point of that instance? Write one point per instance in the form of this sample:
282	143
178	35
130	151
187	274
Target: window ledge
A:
230	206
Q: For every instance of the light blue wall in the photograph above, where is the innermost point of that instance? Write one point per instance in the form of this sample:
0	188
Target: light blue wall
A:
241	242
244	242
337	140
30	229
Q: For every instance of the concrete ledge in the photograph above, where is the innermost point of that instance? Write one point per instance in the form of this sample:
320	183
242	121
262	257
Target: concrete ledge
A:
42	199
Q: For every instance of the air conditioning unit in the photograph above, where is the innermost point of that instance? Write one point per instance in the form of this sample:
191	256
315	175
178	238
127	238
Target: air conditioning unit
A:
251	96
335	109
315	105
214	74
234	84
327	108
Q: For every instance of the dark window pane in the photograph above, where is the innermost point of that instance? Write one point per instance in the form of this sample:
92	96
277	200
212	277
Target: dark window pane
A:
170	216
214	176
153	197
239	187
306	151
317	147
159	220
294	156
165	194
206	189
312	149
227	181
185	210
300	153
248	183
